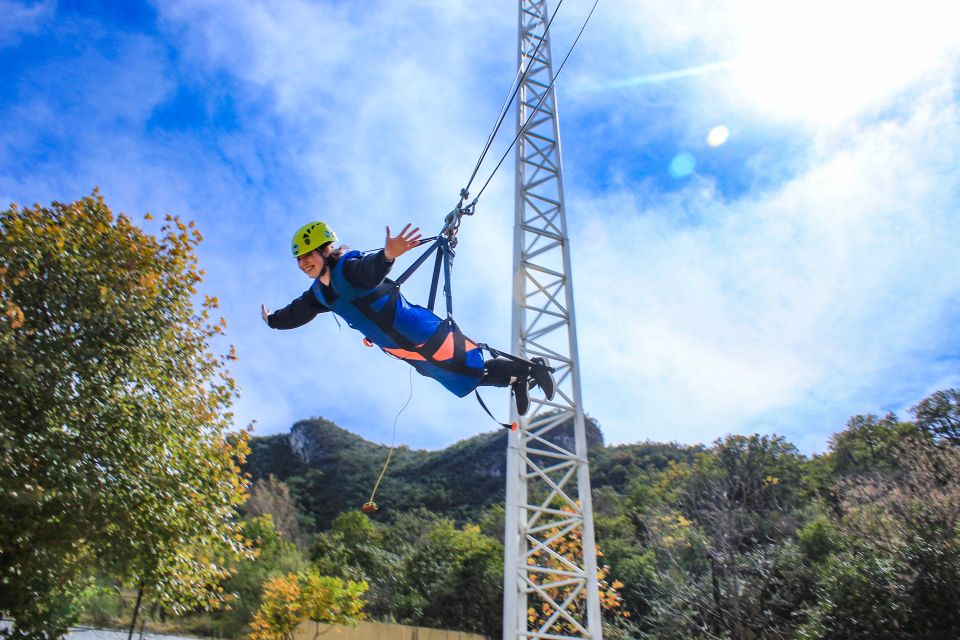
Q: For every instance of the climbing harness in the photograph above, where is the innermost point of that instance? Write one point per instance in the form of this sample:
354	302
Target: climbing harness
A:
434	346
444	245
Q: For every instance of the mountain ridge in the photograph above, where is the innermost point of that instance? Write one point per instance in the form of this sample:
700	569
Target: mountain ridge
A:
330	469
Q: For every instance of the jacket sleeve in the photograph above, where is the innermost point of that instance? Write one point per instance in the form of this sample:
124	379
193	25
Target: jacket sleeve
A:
297	313
367	271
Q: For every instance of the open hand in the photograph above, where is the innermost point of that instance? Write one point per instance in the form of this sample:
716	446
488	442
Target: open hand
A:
265	313
394	247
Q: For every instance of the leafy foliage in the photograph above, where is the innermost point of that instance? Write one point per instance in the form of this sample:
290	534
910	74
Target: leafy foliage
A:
744	539
895	569
115	452
275	556
562	551
867	445
939	415
281	611
290	600
721	541
270	497
617	467
454	575
116	461
355	548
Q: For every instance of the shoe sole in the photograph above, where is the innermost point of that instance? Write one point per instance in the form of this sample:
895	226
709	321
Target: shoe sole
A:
522	400
545	379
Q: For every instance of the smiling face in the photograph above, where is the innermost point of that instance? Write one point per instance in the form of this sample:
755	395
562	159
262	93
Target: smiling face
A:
313	264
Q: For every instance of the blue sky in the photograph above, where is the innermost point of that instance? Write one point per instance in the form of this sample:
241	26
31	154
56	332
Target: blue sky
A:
794	267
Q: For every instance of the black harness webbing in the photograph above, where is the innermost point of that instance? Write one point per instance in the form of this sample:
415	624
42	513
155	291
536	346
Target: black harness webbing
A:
444	259
443	245
384	319
512	427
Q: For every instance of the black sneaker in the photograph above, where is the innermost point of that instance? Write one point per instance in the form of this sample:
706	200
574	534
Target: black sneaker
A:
521	395
542	376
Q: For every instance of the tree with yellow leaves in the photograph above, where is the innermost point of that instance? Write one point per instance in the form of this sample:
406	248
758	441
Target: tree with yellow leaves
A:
568	545
116	454
290	600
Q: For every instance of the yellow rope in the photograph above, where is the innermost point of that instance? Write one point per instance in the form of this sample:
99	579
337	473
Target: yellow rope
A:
393	440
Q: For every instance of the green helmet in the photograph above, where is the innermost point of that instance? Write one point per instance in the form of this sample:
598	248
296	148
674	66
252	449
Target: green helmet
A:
310	236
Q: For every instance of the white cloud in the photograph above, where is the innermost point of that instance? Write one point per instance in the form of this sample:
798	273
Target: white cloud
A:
825	61
812	294
21	19
786	306
768	310
379	130
811	65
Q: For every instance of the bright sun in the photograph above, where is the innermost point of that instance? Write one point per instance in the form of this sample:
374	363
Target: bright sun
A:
825	60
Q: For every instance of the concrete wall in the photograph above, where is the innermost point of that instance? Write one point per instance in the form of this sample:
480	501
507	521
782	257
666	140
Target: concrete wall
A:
380	631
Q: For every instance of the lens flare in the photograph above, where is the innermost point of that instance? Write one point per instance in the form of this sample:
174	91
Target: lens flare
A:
682	165
717	136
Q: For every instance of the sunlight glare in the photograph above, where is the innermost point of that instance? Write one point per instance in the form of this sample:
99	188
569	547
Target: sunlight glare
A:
825	60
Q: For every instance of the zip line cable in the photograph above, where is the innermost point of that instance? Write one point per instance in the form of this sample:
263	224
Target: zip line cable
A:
517	80
452	222
370	506
540	101
514	89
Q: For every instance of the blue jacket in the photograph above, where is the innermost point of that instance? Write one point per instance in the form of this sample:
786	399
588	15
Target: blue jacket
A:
434	347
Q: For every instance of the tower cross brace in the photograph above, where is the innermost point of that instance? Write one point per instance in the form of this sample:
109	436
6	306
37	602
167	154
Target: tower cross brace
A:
548	501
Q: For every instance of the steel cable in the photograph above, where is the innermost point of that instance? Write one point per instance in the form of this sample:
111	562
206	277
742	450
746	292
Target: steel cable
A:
514	88
540	101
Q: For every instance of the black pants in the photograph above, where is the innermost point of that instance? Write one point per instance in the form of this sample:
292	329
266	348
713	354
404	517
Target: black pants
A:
497	372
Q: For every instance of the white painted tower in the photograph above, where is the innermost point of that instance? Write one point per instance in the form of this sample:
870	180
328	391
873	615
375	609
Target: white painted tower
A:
548	482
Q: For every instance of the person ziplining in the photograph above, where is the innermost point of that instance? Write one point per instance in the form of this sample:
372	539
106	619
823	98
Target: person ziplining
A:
355	287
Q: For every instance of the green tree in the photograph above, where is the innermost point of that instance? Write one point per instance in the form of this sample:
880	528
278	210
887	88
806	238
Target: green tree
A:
895	567
631	562
939	415
329	600
723	542
355	549
270	496
453	580
867	444
115	449
275	556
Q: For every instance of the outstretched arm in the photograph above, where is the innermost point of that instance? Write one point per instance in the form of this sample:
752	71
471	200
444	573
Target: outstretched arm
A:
370	270
296	314
396	246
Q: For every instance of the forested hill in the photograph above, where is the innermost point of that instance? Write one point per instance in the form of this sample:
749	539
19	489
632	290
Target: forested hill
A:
330	470
746	538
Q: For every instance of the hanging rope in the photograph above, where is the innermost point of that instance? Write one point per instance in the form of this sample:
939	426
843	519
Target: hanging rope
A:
370	506
452	221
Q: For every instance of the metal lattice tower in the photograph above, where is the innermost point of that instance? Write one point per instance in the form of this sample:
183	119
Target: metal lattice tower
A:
548	482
